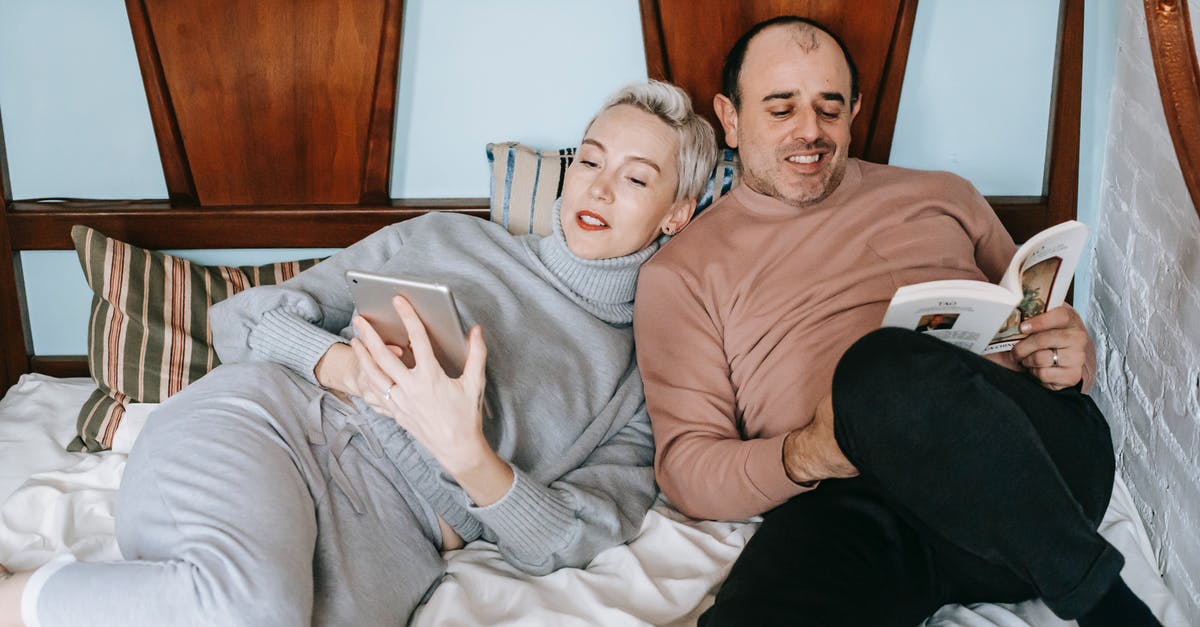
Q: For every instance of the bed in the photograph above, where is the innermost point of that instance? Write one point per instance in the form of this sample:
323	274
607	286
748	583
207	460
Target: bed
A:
56	501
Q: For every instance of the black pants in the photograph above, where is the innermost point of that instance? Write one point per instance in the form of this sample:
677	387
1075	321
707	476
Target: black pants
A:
977	484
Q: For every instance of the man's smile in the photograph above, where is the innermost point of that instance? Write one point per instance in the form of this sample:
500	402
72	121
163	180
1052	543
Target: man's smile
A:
804	158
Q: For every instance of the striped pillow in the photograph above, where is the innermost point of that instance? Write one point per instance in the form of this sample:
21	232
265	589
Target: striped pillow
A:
148	334
725	175
526	182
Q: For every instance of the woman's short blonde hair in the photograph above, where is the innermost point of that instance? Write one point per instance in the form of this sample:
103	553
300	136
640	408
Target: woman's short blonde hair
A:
697	141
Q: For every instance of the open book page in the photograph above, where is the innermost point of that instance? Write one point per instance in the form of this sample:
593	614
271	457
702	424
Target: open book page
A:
986	318
963	313
1040	272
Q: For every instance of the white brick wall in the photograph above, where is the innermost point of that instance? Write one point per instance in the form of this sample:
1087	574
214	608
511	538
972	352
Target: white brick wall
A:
1145	312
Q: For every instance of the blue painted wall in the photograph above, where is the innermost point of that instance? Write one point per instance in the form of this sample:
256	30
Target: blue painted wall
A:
76	122
977	92
1100	20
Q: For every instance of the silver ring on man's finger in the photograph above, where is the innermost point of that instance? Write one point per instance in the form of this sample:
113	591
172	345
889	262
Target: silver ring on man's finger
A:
1054	352
387	394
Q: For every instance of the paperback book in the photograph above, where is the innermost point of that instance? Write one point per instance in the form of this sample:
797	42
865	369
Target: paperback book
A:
984	317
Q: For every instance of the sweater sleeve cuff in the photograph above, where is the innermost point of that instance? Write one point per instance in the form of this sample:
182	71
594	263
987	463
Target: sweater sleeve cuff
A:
529	518
33	588
764	467
289	340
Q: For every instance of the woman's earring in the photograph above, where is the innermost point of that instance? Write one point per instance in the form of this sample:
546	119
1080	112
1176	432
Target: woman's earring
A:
668	230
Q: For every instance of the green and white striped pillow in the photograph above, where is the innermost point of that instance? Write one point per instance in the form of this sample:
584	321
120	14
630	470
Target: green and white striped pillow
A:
148	333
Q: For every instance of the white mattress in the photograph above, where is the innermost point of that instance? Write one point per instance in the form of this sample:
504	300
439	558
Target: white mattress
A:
55	502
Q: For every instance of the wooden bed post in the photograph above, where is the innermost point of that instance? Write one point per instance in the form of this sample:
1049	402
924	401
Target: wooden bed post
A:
14	332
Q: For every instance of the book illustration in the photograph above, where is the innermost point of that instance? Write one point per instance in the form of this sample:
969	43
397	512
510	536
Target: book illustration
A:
986	317
1011	326
936	322
1036	282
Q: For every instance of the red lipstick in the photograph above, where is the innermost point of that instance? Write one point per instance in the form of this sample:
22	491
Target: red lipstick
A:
590	221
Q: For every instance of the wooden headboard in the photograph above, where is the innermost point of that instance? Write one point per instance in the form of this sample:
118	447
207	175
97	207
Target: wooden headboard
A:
278	132
686	43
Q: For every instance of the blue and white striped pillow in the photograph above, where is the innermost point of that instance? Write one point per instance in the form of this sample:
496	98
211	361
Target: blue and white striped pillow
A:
526	182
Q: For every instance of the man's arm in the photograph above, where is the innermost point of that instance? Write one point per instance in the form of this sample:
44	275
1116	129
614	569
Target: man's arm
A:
702	463
812	453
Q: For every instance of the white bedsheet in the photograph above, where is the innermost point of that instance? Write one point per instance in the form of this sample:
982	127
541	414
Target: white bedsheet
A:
55	502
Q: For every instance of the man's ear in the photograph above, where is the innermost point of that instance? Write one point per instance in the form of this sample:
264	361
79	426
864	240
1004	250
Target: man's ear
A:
727	114
856	107
678	217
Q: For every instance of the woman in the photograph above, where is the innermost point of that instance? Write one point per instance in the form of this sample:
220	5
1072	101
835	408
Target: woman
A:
310	480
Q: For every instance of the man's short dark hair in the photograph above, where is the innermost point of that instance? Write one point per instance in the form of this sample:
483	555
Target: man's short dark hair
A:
732	70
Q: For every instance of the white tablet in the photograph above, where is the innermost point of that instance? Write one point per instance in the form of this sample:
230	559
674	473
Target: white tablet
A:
434	304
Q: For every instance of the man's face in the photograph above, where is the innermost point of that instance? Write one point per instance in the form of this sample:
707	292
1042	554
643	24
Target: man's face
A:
792	130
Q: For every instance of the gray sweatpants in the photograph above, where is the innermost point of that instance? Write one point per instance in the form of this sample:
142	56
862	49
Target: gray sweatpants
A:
252	498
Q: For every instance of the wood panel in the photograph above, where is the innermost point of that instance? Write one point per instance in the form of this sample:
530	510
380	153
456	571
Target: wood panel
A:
60	365
272	102
686	43
14	358
155	224
1175	64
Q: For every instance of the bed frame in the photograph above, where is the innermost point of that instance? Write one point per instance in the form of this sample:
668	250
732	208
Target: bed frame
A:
245	166
1178	70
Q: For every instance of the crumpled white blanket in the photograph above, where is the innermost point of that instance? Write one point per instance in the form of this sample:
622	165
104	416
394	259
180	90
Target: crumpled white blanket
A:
56	502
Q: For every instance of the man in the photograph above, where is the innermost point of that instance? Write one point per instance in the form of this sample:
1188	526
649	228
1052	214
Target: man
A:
886	492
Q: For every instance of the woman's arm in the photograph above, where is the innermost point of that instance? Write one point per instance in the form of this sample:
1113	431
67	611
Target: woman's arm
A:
296	323
537	527
540	528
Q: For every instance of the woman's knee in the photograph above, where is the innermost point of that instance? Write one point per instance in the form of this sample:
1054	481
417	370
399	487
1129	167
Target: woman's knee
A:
271	598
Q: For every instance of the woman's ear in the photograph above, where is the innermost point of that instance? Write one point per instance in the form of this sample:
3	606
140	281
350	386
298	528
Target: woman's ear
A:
678	217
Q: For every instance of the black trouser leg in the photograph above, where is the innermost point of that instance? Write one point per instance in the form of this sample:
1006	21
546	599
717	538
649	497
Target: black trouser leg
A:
837	556
977	485
997	472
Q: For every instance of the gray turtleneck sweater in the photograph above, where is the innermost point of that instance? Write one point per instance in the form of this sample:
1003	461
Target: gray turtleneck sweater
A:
565	400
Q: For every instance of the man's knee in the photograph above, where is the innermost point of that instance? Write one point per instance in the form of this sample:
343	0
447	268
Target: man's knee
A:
889	360
887	389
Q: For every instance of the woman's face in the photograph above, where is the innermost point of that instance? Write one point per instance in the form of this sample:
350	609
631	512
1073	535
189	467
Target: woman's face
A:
619	192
